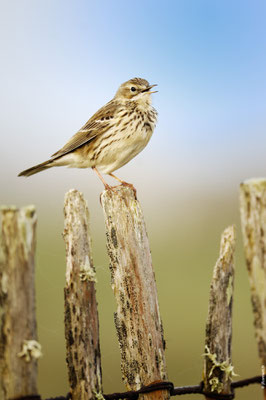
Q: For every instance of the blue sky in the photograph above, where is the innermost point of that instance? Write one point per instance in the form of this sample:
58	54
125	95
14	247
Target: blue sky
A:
61	60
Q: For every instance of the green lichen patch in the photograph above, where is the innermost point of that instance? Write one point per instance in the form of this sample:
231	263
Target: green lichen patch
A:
87	272
225	367
31	349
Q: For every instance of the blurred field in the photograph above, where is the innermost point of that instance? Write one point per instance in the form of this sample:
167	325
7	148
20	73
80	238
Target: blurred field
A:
184	235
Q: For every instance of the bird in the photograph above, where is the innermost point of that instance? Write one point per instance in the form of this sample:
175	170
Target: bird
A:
115	134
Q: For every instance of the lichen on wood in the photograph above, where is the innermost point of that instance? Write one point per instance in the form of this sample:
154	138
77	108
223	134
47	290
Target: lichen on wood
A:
218	369
18	370
137	319
253	219
81	315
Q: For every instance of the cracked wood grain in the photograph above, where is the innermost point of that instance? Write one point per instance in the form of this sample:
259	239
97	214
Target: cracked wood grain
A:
253	220
218	370
18	332
81	315
137	319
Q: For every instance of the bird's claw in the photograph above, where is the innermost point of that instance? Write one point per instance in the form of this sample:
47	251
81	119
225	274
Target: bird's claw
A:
131	187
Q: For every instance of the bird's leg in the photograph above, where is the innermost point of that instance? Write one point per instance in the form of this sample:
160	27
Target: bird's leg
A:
107	187
124	183
118	179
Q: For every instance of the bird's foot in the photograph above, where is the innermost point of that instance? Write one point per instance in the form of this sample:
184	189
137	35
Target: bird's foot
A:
123	183
108	188
111	188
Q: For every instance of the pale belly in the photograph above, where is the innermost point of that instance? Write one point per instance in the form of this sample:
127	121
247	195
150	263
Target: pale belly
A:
123	151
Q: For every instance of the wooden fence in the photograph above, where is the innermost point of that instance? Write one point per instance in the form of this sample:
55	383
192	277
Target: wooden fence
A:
137	317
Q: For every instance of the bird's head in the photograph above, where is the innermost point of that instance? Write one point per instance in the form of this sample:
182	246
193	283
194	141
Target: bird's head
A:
137	89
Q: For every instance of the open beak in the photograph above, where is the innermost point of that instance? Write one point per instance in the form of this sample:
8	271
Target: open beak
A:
149	88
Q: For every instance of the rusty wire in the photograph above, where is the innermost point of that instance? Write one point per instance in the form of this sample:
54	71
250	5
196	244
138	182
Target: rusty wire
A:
173	391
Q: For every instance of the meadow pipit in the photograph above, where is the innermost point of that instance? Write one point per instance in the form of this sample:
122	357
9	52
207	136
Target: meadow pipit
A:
115	134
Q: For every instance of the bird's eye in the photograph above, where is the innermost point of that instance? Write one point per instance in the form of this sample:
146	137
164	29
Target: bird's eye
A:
133	89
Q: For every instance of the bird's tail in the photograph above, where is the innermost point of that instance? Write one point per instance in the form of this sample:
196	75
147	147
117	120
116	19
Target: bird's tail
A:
37	168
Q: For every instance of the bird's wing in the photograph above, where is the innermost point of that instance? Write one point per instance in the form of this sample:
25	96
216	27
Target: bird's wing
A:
98	124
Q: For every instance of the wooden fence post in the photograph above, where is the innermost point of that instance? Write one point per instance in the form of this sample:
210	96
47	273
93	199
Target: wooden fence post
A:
253	219
137	320
81	315
19	348
218	370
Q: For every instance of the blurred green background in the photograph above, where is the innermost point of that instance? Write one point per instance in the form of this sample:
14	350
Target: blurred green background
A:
61	61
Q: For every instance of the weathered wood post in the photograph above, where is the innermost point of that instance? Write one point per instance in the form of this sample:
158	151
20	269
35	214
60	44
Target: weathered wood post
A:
138	323
218	369
81	315
253	219
19	349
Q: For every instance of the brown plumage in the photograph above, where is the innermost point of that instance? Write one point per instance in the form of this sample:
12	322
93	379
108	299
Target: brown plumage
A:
115	134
